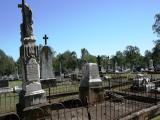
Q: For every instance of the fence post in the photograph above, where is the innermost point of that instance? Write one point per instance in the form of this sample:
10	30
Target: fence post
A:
155	95
49	94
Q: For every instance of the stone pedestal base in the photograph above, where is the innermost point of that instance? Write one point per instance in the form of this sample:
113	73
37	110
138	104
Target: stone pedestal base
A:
83	94
95	95
38	98
90	95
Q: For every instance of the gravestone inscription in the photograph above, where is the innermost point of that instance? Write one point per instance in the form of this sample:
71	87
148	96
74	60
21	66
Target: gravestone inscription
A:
94	72
33	72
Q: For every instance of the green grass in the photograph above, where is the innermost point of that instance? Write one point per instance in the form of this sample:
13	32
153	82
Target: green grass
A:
156	118
63	89
12	84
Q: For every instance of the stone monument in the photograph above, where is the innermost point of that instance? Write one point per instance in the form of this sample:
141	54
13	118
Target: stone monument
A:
151	67
115	67
47	74
32	92
99	63
91	84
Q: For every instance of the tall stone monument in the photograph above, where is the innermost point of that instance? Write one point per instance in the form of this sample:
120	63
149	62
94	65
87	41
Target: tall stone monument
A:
47	74
32	92
91	84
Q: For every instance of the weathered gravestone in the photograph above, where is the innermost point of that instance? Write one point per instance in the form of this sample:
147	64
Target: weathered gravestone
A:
151	67
47	74
33	71
91	84
116	67
32	92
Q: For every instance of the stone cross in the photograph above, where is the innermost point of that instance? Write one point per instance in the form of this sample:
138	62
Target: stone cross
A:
45	38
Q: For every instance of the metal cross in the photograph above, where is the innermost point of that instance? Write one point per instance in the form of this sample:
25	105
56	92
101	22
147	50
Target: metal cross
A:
45	38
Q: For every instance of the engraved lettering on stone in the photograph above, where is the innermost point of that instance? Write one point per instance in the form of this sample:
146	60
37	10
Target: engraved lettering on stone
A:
94	72
32	70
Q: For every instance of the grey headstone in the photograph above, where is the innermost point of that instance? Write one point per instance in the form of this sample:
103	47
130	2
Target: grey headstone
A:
94	79
46	57
151	67
91	84
77	71
33	72
116	67
90	76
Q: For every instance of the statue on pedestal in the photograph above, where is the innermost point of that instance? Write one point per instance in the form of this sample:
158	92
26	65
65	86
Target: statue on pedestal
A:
26	26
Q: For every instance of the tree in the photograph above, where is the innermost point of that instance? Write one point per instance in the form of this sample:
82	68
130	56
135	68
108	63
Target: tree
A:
147	57
67	60
156	48
113	61
120	58
156	52
156	25
132	54
104	60
85	55
7	64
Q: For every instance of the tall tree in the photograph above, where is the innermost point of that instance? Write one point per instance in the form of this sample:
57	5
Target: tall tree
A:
67	61
104	60
120	58
156	25
7	64
147	57
132	54
156	52
85	55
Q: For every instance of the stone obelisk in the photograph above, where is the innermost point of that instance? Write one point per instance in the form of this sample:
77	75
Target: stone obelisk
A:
32	92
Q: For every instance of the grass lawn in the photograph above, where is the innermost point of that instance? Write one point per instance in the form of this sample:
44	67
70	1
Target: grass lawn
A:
12	84
156	118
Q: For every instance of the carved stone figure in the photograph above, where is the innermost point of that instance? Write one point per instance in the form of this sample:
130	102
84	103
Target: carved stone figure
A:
26	26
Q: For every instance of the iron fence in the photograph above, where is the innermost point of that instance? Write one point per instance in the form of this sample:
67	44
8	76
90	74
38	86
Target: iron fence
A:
120	99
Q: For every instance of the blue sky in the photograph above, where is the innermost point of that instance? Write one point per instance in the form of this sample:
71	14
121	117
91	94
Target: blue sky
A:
101	26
